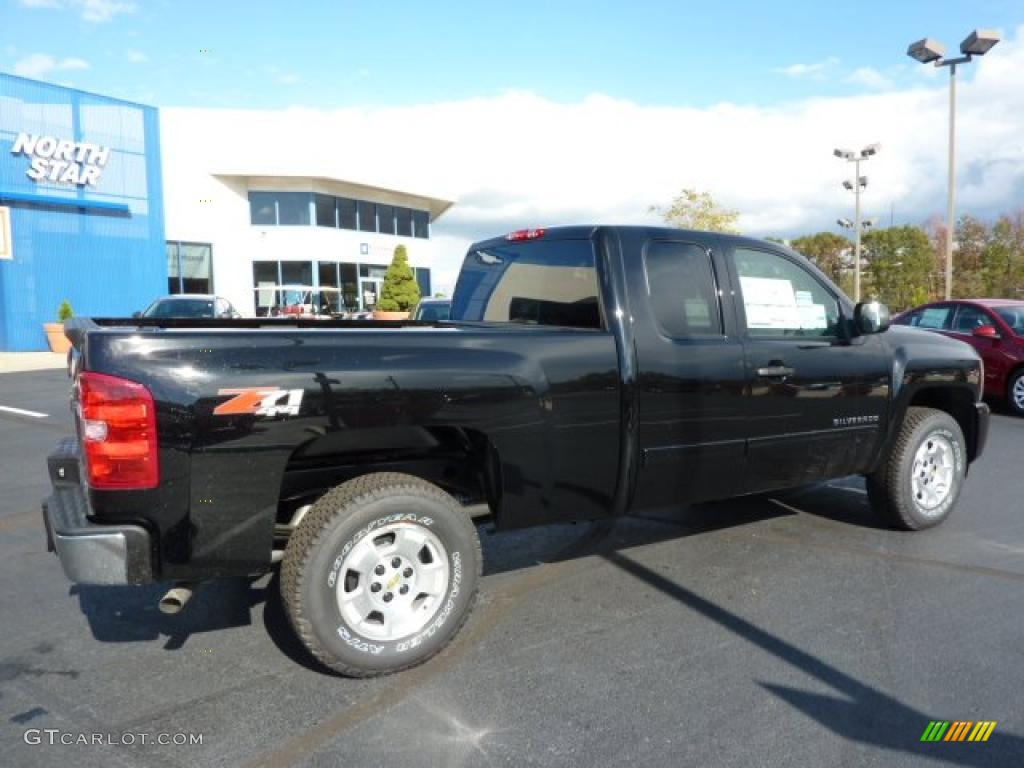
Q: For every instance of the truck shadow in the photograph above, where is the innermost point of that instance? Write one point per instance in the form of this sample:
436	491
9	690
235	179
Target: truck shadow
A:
119	614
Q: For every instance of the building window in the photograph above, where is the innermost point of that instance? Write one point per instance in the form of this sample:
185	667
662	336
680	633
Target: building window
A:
265	278
189	268
326	214
263	208
293	208
386	219
403	222
367	216
346	213
269	209
420	224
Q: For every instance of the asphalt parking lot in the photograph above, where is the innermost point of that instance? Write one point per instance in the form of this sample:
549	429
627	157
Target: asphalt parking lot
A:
770	631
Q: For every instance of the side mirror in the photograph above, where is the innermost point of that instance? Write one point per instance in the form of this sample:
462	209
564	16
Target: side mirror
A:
871	317
136	314
986	332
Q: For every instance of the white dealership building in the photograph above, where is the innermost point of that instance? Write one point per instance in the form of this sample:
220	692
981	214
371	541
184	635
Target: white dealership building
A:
258	200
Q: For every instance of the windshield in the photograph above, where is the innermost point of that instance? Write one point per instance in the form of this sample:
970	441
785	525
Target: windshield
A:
1014	317
180	308
433	311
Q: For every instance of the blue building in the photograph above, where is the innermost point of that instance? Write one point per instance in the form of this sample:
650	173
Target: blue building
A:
81	208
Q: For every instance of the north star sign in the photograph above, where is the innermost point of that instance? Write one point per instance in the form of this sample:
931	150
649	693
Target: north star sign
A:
61	161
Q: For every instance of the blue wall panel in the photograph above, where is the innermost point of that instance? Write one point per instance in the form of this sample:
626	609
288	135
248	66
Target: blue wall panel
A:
100	247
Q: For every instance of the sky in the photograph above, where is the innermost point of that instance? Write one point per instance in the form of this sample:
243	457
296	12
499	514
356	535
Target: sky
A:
553	112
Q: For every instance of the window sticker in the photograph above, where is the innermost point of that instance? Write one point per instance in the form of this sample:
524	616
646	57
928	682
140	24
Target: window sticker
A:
769	303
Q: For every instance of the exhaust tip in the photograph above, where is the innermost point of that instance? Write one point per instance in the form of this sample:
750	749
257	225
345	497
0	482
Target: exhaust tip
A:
176	599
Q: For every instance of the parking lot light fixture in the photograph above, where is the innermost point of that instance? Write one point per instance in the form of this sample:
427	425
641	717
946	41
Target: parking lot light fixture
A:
929	51
856	185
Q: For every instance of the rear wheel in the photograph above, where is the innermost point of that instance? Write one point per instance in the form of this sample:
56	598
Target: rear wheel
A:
380	574
920	482
1015	393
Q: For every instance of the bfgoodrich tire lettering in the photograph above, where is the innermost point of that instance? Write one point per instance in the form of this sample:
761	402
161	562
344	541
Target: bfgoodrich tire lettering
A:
336	543
920	482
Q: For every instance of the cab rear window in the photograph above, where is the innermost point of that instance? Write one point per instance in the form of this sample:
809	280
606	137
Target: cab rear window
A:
543	282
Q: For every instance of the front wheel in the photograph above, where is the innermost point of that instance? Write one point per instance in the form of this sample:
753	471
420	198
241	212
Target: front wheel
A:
1015	393
380	574
920	482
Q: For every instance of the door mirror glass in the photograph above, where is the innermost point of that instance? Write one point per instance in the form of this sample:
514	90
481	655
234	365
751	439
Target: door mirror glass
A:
986	332
871	317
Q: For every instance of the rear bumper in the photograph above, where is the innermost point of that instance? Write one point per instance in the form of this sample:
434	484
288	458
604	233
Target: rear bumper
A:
981	428
90	553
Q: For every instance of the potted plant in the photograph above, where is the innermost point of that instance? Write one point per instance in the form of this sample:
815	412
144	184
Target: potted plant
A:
55	331
400	292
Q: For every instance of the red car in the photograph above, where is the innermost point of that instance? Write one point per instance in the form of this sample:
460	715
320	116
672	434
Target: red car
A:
994	327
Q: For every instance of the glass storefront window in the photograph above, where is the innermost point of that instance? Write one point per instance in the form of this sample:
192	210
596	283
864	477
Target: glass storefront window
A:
327	272
349	286
189	268
296	273
293	209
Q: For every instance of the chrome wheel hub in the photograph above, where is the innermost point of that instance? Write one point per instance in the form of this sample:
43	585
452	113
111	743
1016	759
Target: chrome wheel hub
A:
392	581
933	472
1018	393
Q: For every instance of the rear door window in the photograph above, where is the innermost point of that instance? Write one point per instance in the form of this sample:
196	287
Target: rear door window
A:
540	282
681	287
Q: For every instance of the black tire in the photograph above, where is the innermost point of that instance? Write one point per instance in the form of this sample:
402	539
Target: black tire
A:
336	523
890	488
1015	403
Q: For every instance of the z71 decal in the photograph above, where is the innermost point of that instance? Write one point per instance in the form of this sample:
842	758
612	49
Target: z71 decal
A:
260	401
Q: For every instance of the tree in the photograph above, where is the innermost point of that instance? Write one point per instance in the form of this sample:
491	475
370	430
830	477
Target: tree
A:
899	262
698	210
969	246
400	291
831	253
1004	257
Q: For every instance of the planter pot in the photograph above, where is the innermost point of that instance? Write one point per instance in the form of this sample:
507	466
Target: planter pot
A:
55	336
379	314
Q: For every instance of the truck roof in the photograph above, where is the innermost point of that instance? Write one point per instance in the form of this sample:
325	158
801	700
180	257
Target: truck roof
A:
585	231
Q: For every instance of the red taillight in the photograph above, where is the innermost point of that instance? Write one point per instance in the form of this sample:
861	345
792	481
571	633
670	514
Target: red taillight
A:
118	433
526	234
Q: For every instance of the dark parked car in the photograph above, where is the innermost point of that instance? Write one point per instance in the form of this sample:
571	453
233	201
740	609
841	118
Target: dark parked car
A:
190	305
432	310
588	372
994	327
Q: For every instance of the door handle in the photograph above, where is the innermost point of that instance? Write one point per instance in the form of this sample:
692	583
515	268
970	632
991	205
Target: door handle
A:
775	372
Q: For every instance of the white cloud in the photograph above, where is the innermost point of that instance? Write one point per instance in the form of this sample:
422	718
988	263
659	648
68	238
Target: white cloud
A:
518	159
816	71
137	57
90	10
42	64
870	78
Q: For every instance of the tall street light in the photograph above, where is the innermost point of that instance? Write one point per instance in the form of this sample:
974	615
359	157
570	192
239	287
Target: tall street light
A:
859	182
927	51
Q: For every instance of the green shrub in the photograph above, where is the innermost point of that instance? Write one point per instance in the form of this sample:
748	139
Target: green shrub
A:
400	291
64	311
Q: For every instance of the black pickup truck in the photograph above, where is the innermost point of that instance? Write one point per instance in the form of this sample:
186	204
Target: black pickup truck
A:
587	372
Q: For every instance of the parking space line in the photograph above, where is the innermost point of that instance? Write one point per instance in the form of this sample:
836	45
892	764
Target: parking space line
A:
23	412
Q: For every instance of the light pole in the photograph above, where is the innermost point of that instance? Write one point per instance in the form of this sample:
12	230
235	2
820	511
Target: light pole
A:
859	182
926	51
